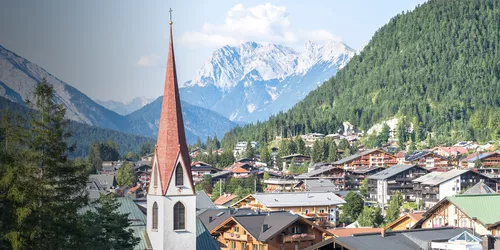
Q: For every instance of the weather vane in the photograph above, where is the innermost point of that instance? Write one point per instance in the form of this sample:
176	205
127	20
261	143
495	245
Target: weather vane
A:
170	16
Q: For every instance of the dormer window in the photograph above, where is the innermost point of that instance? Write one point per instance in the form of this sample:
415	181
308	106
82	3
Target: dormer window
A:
179	175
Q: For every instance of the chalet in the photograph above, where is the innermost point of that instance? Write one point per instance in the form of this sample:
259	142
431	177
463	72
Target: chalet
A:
431	238
331	173
214	217
488	159
298	159
427	159
200	169
355	177
266	231
319	206
448	152
404	222
370	158
279	184
478	211
384	184
435	186
312	137
225	200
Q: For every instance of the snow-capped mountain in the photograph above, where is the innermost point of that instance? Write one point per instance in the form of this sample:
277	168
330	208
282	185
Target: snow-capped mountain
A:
252	81
127	107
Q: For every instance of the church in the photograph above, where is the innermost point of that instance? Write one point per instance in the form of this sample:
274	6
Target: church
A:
171	200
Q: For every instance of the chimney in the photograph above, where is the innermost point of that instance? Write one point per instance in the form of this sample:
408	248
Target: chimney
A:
382	232
264	227
210	219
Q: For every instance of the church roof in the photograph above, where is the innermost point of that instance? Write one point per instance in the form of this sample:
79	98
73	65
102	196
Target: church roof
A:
171	143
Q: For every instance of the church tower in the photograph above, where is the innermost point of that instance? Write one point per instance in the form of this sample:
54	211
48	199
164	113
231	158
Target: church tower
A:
171	199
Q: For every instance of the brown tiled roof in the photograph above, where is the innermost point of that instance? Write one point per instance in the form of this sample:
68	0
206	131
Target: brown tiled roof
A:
171	143
345	232
225	198
239	170
416	216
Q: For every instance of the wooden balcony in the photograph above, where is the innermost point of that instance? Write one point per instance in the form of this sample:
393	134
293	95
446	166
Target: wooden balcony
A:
298	237
237	237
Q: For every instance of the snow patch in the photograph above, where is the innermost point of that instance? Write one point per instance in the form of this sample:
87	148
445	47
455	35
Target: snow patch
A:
251	108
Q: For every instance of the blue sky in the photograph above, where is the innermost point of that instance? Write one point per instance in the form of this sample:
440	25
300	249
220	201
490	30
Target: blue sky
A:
116	50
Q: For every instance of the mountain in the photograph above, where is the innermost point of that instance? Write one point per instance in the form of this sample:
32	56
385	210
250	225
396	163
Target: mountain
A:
125	108
198	122
84	135
252	81
18	77
437	66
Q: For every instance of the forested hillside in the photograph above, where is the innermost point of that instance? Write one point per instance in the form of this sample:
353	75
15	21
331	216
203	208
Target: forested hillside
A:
84	135
438	66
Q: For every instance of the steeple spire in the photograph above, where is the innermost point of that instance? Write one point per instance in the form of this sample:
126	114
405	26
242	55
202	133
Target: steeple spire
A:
171	144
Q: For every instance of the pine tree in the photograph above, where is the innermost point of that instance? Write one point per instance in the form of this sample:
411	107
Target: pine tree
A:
125	176
318	151
249	151
333	154
301	145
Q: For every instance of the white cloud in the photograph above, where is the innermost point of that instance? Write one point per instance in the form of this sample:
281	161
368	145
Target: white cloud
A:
265	23
150	60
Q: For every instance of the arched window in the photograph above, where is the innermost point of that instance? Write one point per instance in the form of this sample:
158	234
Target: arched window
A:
179	216
155	216
179	175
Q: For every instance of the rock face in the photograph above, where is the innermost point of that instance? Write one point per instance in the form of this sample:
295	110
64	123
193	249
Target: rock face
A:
19	76
250	82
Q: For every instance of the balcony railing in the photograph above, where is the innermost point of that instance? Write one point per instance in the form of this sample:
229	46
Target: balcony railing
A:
298	237
237	237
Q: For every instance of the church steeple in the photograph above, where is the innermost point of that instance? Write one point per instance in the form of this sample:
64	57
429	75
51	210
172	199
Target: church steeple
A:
171	142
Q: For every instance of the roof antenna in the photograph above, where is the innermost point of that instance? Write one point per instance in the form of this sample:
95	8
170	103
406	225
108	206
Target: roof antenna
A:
171	16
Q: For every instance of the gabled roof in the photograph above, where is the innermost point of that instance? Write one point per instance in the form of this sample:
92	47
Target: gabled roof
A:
204	240
482	156
221	173
171	143
426	177
315	172
480	188
395	240
203	201
294	155
345	232
437	179
239	170
319	185
354	156
415	217
297	199
485	207
225	198
394	170
419	154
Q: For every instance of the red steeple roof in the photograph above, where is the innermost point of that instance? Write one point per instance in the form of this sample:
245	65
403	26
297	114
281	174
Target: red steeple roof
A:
171	136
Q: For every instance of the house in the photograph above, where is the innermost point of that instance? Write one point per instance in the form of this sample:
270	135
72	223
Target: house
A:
241	147
480	188
450	152
355	177
312	137
203	201
279	184
225	200
214	217
370	158
200	169
478	211
298	159
435	186
148	157
384	184
427	159
319	206
267	231
404	222
419	239
221	175
332	173
318	185
100	184
488	159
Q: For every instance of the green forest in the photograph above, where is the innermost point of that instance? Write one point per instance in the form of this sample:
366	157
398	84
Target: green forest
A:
437	66
84	135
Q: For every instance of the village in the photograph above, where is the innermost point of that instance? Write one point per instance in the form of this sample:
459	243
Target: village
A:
440	191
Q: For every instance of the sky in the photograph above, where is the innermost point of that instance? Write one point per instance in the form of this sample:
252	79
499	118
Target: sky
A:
117	50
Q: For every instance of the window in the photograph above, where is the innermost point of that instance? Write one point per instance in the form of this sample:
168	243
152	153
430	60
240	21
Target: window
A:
155	216
179	216
243	245
179	175
233	244
321	211
255	247
306	211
